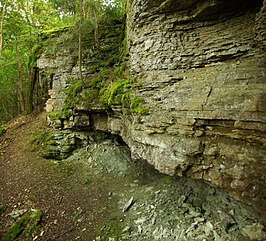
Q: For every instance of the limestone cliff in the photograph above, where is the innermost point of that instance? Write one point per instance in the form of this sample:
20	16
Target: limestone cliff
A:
202	64
201	70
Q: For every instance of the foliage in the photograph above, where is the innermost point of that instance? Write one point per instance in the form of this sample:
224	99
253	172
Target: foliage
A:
26	224
54	32
59	115
28	27
120	93
105	92
117	93
65	7
21	24
116	10
136	106
110	84
73	94
8	85
36	50
88	181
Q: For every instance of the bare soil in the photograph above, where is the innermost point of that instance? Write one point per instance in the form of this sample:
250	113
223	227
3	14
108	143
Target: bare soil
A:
71	208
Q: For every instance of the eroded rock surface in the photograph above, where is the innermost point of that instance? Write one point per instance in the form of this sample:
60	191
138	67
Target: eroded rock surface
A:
200	67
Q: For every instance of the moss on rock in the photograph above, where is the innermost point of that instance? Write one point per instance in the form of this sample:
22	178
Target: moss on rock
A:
26	225
2	208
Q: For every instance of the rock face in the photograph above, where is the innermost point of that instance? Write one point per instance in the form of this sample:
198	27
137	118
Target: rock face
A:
201	71
202	68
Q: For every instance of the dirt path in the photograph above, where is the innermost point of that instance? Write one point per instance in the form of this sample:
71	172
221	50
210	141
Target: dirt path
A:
69	206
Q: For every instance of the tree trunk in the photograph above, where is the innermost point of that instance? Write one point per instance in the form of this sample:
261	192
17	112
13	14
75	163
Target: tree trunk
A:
5	110
1	26
33	79
20	81
96	26
81	12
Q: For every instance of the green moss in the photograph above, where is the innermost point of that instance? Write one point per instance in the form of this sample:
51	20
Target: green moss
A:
27	224
50	51
111	229
104	89
73	94
136	106
88	181
39	139
51	33
2	208
2	130
109	84
120	93
117	93
64	114
168	178
35	53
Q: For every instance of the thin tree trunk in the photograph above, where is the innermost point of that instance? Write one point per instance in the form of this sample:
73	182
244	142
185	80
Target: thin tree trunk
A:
20	81
81	12
96	30
80	58
33	79
1	26
7	115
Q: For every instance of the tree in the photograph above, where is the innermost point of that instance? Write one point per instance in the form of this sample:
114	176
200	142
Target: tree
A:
81	15
20	24
22	21
93	9
2	24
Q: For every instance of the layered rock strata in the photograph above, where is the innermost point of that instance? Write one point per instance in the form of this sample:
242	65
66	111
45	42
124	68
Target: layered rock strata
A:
201	70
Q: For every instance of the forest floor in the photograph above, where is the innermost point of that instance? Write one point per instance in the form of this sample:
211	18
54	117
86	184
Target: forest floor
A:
79	202
27	181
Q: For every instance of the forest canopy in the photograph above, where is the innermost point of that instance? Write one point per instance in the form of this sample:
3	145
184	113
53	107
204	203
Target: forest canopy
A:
22	22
